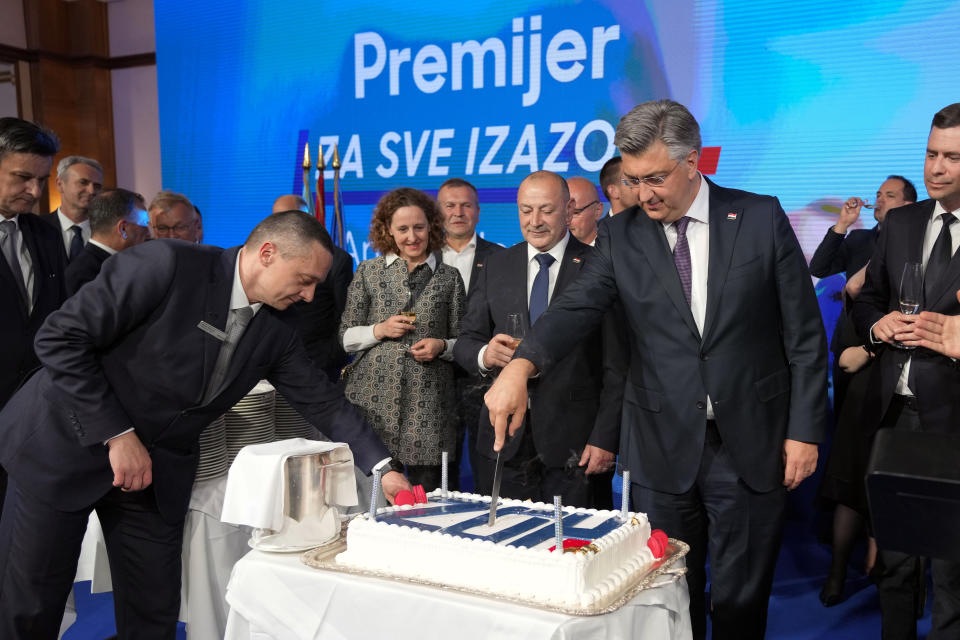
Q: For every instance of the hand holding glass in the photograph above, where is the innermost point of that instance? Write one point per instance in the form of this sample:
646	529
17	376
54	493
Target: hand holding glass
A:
911	292
516	328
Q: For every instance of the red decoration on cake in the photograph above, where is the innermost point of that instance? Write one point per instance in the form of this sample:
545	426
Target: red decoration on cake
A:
419	495
404	497
657	543
572	543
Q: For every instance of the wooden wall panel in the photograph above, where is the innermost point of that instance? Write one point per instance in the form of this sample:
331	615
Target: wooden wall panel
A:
70	85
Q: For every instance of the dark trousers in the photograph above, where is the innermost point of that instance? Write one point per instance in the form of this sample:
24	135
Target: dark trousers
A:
526	477
427	475
902	578
470	390
741	529
39	549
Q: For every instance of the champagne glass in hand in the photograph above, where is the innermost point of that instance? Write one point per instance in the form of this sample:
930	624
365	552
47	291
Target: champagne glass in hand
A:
911	292
516	328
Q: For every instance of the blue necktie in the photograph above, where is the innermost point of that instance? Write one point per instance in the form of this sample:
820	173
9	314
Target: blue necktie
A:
76	243
540	293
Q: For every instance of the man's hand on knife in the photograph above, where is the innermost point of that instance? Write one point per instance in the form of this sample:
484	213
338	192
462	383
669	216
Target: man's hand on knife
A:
507	399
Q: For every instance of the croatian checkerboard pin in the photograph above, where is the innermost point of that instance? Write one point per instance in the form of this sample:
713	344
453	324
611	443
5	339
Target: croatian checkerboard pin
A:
732	215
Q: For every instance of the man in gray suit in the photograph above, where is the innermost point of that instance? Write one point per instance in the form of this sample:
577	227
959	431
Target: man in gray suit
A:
725	397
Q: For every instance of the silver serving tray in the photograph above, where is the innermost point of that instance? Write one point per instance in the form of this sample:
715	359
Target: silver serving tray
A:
662	572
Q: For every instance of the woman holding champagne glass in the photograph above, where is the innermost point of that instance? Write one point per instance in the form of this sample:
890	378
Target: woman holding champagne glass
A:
401	320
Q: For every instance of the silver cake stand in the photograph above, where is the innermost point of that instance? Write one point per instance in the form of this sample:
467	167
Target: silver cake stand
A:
662	572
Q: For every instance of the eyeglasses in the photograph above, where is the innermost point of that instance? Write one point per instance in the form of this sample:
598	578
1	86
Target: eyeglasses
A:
650	181
579	210
176	229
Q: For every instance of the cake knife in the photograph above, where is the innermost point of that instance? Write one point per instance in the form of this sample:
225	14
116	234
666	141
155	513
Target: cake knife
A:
495	494
497	476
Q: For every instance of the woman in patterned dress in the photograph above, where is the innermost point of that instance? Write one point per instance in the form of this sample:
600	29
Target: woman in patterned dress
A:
401	321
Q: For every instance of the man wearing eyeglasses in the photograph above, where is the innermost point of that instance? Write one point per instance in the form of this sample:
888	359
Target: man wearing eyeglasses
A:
725	398
172	215
587	210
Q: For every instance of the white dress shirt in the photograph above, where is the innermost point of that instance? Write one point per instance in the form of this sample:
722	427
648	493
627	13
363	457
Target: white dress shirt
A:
97	243
462	260
698	239
361	337
934	225
66	226
533	268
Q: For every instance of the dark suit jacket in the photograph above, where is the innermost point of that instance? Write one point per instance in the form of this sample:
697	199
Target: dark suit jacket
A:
935	379
84	267
570	406
762	356
484	250
317	321
17	357
837	253
126	351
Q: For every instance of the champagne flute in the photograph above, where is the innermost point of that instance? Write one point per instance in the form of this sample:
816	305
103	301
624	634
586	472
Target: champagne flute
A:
911	292
516	328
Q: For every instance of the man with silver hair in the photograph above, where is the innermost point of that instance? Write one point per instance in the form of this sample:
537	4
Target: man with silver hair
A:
172	215
725	398
78	180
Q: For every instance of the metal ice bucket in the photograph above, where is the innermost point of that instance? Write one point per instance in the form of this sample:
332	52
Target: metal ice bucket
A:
307	481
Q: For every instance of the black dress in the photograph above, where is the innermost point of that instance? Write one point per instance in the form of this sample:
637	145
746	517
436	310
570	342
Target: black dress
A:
843	478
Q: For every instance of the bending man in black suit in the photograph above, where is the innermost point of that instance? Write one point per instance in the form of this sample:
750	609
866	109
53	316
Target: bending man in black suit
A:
573	428
726	391
118	221
31	272
917	390
168	337
465	250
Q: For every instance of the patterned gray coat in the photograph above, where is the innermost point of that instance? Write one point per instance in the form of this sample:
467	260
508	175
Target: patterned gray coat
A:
410	404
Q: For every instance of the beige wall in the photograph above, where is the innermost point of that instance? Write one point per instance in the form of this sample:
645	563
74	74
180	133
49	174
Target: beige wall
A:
136	125
131	27
12	29
136	134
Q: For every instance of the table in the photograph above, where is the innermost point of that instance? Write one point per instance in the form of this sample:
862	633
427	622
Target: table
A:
276	596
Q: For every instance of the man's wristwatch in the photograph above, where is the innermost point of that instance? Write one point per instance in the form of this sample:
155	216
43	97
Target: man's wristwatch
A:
392	465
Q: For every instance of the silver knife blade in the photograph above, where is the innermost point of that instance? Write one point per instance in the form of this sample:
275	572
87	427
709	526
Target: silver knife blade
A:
495	494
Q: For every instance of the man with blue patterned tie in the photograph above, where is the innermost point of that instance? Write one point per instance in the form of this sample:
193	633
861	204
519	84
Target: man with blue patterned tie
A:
572	423
79	179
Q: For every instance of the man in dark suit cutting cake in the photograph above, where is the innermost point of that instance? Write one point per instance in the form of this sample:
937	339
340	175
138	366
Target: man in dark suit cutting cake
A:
168	337
725	397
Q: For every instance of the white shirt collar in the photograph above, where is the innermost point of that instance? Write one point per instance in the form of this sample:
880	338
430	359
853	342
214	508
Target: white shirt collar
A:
938	209
238	297
700	207
470	245
556	251
97	243
391	257
66	223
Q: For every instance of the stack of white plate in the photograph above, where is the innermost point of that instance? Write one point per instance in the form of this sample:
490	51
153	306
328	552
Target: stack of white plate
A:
250	421
291	424
213	451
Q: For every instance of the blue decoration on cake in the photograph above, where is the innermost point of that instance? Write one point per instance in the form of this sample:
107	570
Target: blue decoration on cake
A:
537	523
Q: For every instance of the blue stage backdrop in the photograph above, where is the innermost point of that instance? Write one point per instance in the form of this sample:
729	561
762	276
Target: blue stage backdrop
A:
810	101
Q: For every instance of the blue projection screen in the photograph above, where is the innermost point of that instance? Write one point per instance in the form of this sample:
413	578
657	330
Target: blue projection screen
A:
809	101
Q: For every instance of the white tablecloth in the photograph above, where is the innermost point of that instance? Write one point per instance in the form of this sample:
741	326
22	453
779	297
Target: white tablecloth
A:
275	596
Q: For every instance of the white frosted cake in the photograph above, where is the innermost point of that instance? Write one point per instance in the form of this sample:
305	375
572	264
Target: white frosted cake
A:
447	541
